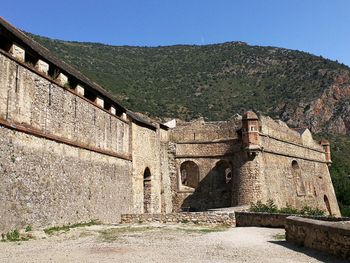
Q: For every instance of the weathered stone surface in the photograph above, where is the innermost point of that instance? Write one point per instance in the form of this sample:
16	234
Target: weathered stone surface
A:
47	183
329	237
17	52
202	218
42	66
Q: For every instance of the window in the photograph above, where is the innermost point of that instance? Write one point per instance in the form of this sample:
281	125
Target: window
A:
189	174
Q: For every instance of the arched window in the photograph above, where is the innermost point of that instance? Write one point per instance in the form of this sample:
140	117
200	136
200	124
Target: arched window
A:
147	190
189	174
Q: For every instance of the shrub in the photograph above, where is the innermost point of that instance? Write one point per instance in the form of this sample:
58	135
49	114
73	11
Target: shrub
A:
270	207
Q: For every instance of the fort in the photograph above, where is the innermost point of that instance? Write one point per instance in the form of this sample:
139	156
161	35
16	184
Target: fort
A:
70	152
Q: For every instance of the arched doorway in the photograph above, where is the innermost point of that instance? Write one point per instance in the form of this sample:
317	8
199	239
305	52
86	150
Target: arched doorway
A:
221	184
189	174
328	206
147	190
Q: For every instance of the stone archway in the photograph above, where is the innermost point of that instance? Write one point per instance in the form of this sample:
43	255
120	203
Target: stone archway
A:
189	174
147	187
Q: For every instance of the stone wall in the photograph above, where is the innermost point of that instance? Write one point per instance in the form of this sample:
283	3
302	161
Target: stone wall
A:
201	218
329	237
247	219
146	149
45	183
30	100
63	158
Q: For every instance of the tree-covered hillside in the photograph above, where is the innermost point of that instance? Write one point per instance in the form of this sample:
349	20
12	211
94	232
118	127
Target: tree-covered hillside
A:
213	81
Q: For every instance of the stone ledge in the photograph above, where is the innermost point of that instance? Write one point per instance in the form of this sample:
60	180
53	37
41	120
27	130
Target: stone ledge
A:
276	220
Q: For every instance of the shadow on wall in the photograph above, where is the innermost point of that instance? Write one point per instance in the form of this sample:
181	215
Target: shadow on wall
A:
213	191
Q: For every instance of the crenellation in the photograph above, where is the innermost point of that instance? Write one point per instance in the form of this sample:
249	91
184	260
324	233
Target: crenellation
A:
80	90
99	102
62	79
42	66
17	52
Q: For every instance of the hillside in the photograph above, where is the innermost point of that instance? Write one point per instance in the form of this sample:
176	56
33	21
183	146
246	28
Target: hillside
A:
216	81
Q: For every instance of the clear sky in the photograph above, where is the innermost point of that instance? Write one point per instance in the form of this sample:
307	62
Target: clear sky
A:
321	27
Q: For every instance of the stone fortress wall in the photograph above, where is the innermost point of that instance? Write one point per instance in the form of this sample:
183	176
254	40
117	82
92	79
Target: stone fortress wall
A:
270	161
69	152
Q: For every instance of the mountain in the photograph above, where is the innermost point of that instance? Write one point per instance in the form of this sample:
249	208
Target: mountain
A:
216	81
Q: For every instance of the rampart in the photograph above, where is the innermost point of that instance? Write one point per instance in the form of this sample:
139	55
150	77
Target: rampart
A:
70	152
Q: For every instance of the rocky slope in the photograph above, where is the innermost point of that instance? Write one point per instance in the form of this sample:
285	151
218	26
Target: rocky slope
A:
328	113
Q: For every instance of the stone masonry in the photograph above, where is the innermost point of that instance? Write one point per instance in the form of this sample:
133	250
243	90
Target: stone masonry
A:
69	152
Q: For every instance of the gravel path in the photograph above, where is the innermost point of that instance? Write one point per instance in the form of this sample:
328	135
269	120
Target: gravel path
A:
160	243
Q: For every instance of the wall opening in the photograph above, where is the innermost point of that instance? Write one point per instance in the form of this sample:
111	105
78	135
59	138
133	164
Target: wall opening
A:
298	180
147	190
5	44
189	174
221	176
328	206
90	95
53	71
30	59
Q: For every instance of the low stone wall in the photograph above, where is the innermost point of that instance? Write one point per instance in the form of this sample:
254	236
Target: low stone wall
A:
244	219
201	218
330	237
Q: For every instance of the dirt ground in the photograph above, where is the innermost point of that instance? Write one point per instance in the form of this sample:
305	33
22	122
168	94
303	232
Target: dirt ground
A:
159	243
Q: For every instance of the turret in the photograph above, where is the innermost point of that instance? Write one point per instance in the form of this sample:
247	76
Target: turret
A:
250	133
327	150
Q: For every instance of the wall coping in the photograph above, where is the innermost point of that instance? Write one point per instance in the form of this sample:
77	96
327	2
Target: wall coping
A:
341	227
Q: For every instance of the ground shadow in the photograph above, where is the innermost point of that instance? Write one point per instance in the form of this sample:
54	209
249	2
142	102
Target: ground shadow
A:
321	256
213	191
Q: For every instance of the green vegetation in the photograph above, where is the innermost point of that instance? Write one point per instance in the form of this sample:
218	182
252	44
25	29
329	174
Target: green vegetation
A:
113	234
14	236
213	81
340	170
66	228
279	237
28	229
270	207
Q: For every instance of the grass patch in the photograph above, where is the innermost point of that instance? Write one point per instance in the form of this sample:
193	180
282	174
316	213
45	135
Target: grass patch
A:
66	228
14	236
114	234
279	237
203	229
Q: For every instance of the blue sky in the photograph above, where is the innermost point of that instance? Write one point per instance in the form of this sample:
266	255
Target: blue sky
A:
321	27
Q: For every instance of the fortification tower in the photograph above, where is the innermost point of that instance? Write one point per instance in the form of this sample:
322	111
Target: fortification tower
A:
250	133
327	149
